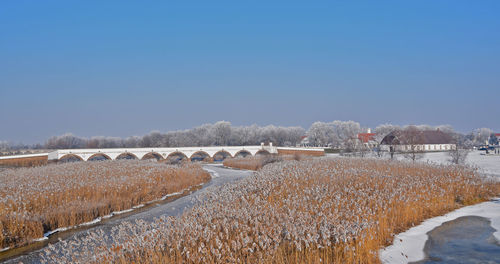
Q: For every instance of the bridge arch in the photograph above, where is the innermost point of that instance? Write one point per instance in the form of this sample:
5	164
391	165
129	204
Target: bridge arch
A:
176	156
99	157
70	158
242	153
127	156
262	152
221	155
152	155
199	156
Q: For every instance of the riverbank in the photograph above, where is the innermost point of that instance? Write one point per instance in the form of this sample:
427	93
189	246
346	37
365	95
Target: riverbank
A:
220	176
310	211
409	246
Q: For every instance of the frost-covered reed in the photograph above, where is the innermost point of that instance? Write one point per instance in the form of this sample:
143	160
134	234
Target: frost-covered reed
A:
36	200
312	211
247	163
257	162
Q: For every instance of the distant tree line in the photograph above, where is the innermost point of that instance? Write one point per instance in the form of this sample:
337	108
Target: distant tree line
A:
339	134
335	134
221	133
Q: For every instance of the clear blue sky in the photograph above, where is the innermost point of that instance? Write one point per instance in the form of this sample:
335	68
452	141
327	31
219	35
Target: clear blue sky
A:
121	68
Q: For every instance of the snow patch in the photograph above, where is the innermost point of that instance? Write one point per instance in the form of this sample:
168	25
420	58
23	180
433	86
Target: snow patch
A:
95	221
4	249
212	172
122	211
172	194
40	239
60	229
24	156
99	219
409	246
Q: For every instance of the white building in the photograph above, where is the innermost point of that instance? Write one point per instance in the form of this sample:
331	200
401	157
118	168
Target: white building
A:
425	141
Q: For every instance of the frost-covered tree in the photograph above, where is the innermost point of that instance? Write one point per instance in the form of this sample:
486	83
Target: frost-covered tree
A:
66	141
446	129
222	133
458	155
131	142
481	135
320	134
4	145
293	135
202	135
493	140
383	130
344	132
338	134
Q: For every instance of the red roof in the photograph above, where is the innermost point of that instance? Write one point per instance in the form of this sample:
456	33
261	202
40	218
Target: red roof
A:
366	137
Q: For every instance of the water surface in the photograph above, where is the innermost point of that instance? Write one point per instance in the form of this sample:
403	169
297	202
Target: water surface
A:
467	239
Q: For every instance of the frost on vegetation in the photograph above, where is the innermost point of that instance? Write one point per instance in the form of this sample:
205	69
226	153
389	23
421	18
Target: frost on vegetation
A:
328	210
255	162
34	201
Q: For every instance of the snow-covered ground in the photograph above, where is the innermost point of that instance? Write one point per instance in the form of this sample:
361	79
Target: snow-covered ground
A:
409	246
487	164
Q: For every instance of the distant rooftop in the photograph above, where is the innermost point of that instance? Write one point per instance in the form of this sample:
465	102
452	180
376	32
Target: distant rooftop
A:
402	137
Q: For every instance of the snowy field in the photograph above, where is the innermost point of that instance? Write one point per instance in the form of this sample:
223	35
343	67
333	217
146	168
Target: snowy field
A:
409	246
487	164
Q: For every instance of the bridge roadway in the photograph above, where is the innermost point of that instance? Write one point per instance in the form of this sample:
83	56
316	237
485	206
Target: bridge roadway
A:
216	153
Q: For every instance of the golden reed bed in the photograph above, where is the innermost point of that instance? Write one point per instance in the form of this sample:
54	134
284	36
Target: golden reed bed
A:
36	200
314	211
257	162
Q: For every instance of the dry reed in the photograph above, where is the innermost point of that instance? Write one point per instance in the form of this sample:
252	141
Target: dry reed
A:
313	211
247	163
36	200
24	162
257	162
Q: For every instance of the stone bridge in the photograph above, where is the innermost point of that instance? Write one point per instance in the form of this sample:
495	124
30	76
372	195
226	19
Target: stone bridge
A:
189	153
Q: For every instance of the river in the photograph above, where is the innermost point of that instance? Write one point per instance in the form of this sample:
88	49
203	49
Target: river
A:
220	176
467	239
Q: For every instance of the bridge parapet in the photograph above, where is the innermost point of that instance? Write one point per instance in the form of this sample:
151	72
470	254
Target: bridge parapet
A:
141	153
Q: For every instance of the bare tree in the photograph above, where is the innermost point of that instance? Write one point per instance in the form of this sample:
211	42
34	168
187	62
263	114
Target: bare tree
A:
378	152
361	150
412	140
458	155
